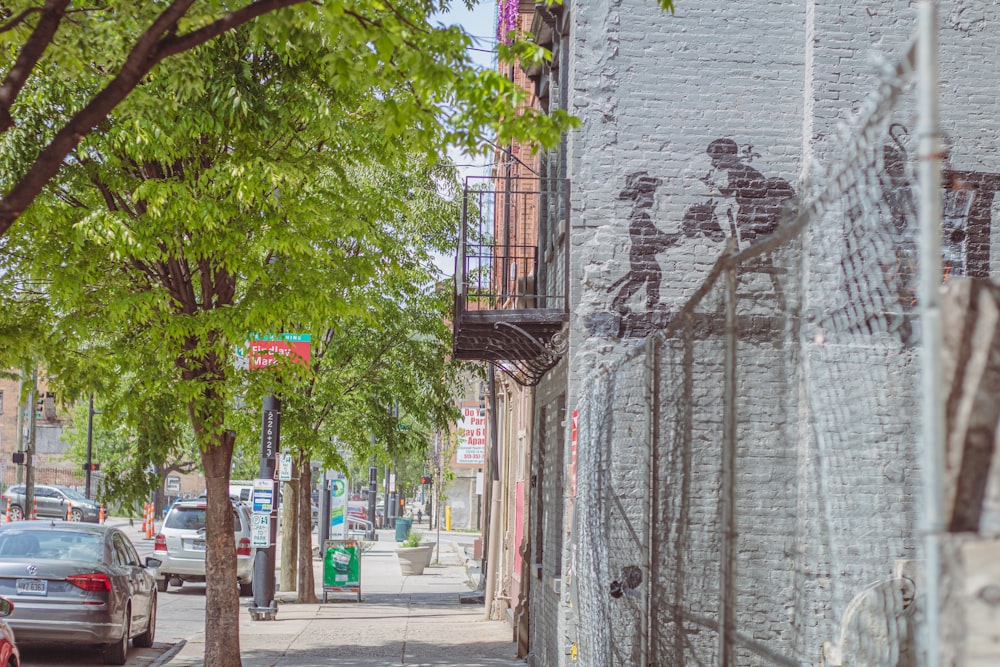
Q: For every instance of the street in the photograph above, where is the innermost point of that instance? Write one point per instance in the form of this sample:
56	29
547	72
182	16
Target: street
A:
180	612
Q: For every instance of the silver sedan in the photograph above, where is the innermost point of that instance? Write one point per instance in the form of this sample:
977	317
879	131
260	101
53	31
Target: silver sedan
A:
78	584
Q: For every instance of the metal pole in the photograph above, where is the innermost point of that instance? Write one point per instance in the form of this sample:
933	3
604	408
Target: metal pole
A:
90	445
439	475
727	486
264	607
652	442
29	450
20	422
929	214
324	510
372	492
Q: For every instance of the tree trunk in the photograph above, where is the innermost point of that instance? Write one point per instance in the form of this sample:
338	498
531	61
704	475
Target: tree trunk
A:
307	582
222	604
289	535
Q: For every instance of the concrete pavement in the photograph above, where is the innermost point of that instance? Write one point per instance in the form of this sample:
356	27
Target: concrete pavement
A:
402	620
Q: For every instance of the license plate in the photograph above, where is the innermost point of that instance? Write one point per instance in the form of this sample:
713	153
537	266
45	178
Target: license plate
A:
32	587
197	545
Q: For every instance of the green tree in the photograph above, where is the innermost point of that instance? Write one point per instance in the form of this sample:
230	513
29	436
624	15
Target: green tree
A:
85	60
248	198
136	450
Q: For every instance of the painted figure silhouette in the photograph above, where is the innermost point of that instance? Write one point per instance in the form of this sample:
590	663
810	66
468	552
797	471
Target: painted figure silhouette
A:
760	200
646	239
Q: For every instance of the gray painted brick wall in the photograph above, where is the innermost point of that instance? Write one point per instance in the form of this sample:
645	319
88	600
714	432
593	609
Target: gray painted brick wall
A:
653	91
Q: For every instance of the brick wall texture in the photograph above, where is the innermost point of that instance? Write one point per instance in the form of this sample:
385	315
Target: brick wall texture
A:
818	518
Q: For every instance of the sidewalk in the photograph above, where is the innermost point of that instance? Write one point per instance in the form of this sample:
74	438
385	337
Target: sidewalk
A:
415	620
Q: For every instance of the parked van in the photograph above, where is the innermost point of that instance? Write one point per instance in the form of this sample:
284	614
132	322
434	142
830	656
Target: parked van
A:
241	490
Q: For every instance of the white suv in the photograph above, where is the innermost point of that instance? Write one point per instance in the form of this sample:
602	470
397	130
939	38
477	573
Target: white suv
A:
180	544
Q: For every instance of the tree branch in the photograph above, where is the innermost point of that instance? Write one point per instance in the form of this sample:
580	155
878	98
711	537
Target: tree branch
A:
39	40
155	44
173	45
19	19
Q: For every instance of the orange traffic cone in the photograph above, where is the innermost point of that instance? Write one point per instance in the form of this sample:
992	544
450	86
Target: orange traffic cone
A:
151	524
100	515
34	509
8	510
69	511
145	516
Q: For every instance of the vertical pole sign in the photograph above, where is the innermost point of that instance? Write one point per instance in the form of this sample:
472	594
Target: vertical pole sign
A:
265	514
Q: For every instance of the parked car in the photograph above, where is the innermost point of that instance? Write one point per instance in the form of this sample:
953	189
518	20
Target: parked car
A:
9	655
54	501
180	544
77	584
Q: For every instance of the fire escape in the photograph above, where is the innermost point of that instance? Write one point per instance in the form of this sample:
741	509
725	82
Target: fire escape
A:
512	277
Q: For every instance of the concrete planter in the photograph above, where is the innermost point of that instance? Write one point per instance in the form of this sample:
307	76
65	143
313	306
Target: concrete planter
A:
413	560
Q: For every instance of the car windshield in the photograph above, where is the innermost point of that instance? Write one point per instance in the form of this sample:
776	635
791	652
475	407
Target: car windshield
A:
58	544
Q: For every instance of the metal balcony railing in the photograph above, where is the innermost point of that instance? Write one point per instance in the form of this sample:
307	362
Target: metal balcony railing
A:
511	278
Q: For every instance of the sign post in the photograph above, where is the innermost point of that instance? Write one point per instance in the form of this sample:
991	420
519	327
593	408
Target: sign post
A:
264	607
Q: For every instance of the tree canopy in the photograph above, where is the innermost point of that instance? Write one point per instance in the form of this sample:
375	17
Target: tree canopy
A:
185	174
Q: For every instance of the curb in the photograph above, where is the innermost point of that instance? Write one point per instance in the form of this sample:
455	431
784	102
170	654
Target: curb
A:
169	654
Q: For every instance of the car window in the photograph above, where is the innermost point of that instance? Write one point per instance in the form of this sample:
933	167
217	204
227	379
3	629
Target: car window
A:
133	555
186	518
16	489
42	492
122	555
62	544
74	494
193	518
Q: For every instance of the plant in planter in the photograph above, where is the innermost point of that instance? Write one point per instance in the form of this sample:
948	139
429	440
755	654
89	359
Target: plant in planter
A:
414	556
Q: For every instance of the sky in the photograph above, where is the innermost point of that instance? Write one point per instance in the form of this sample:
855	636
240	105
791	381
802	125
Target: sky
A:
480	23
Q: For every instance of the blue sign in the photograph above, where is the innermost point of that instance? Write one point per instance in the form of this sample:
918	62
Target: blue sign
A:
263	496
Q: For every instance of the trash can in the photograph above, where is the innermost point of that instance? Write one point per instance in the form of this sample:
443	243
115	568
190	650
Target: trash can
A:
403	525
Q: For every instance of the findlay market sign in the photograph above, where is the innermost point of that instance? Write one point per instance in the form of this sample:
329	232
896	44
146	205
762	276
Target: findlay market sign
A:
267	349
470	448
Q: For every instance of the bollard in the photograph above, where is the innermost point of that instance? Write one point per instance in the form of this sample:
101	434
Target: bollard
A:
8	510
100	515
69	511
447	517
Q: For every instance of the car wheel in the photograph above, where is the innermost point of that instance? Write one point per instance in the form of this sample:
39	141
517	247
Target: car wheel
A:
177	582
145	640
161	585
16	513
246	588
116	653
75	515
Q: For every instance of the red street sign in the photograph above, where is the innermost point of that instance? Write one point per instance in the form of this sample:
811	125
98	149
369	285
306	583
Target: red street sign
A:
264	353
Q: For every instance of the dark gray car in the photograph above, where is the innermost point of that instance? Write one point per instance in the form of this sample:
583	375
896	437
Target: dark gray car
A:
78	584
54	502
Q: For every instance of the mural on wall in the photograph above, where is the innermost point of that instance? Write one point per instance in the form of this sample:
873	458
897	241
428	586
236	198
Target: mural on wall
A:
742	203
646	241
752	207
758	200
967	201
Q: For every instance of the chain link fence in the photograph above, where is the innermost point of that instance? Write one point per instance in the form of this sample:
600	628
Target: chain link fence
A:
749	478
